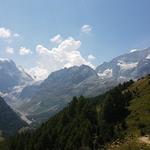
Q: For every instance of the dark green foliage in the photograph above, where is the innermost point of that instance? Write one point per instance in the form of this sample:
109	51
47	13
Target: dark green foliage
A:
125	85
4	145
115	106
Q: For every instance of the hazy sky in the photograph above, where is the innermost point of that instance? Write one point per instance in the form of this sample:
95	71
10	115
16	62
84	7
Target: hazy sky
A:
46	35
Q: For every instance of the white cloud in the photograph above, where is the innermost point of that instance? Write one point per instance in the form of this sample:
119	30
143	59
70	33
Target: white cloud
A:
9	50
91	57
56	39
41	50
24	51
5	33
126	66
66	54
38	73
86	28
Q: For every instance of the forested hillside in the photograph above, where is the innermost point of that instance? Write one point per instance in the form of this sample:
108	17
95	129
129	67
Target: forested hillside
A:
121	114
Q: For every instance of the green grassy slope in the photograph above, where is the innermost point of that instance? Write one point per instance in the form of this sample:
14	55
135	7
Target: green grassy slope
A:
139	118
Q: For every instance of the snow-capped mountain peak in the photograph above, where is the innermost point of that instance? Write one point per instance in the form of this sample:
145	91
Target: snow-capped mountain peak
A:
130	65
11	75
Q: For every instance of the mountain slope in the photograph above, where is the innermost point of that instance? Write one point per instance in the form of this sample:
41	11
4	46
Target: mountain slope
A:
56	91
10	122
131	65
11	75
93	123
12	80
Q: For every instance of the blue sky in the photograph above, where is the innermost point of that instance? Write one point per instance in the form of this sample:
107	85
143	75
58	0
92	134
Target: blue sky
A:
97	29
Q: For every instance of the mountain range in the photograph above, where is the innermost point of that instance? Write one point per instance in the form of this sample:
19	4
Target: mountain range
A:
131	65
40	100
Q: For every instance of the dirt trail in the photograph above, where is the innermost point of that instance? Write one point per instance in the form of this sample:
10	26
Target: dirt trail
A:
145	139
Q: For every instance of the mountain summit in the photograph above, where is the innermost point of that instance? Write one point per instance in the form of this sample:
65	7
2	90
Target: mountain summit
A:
57	90
131	65
11	75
